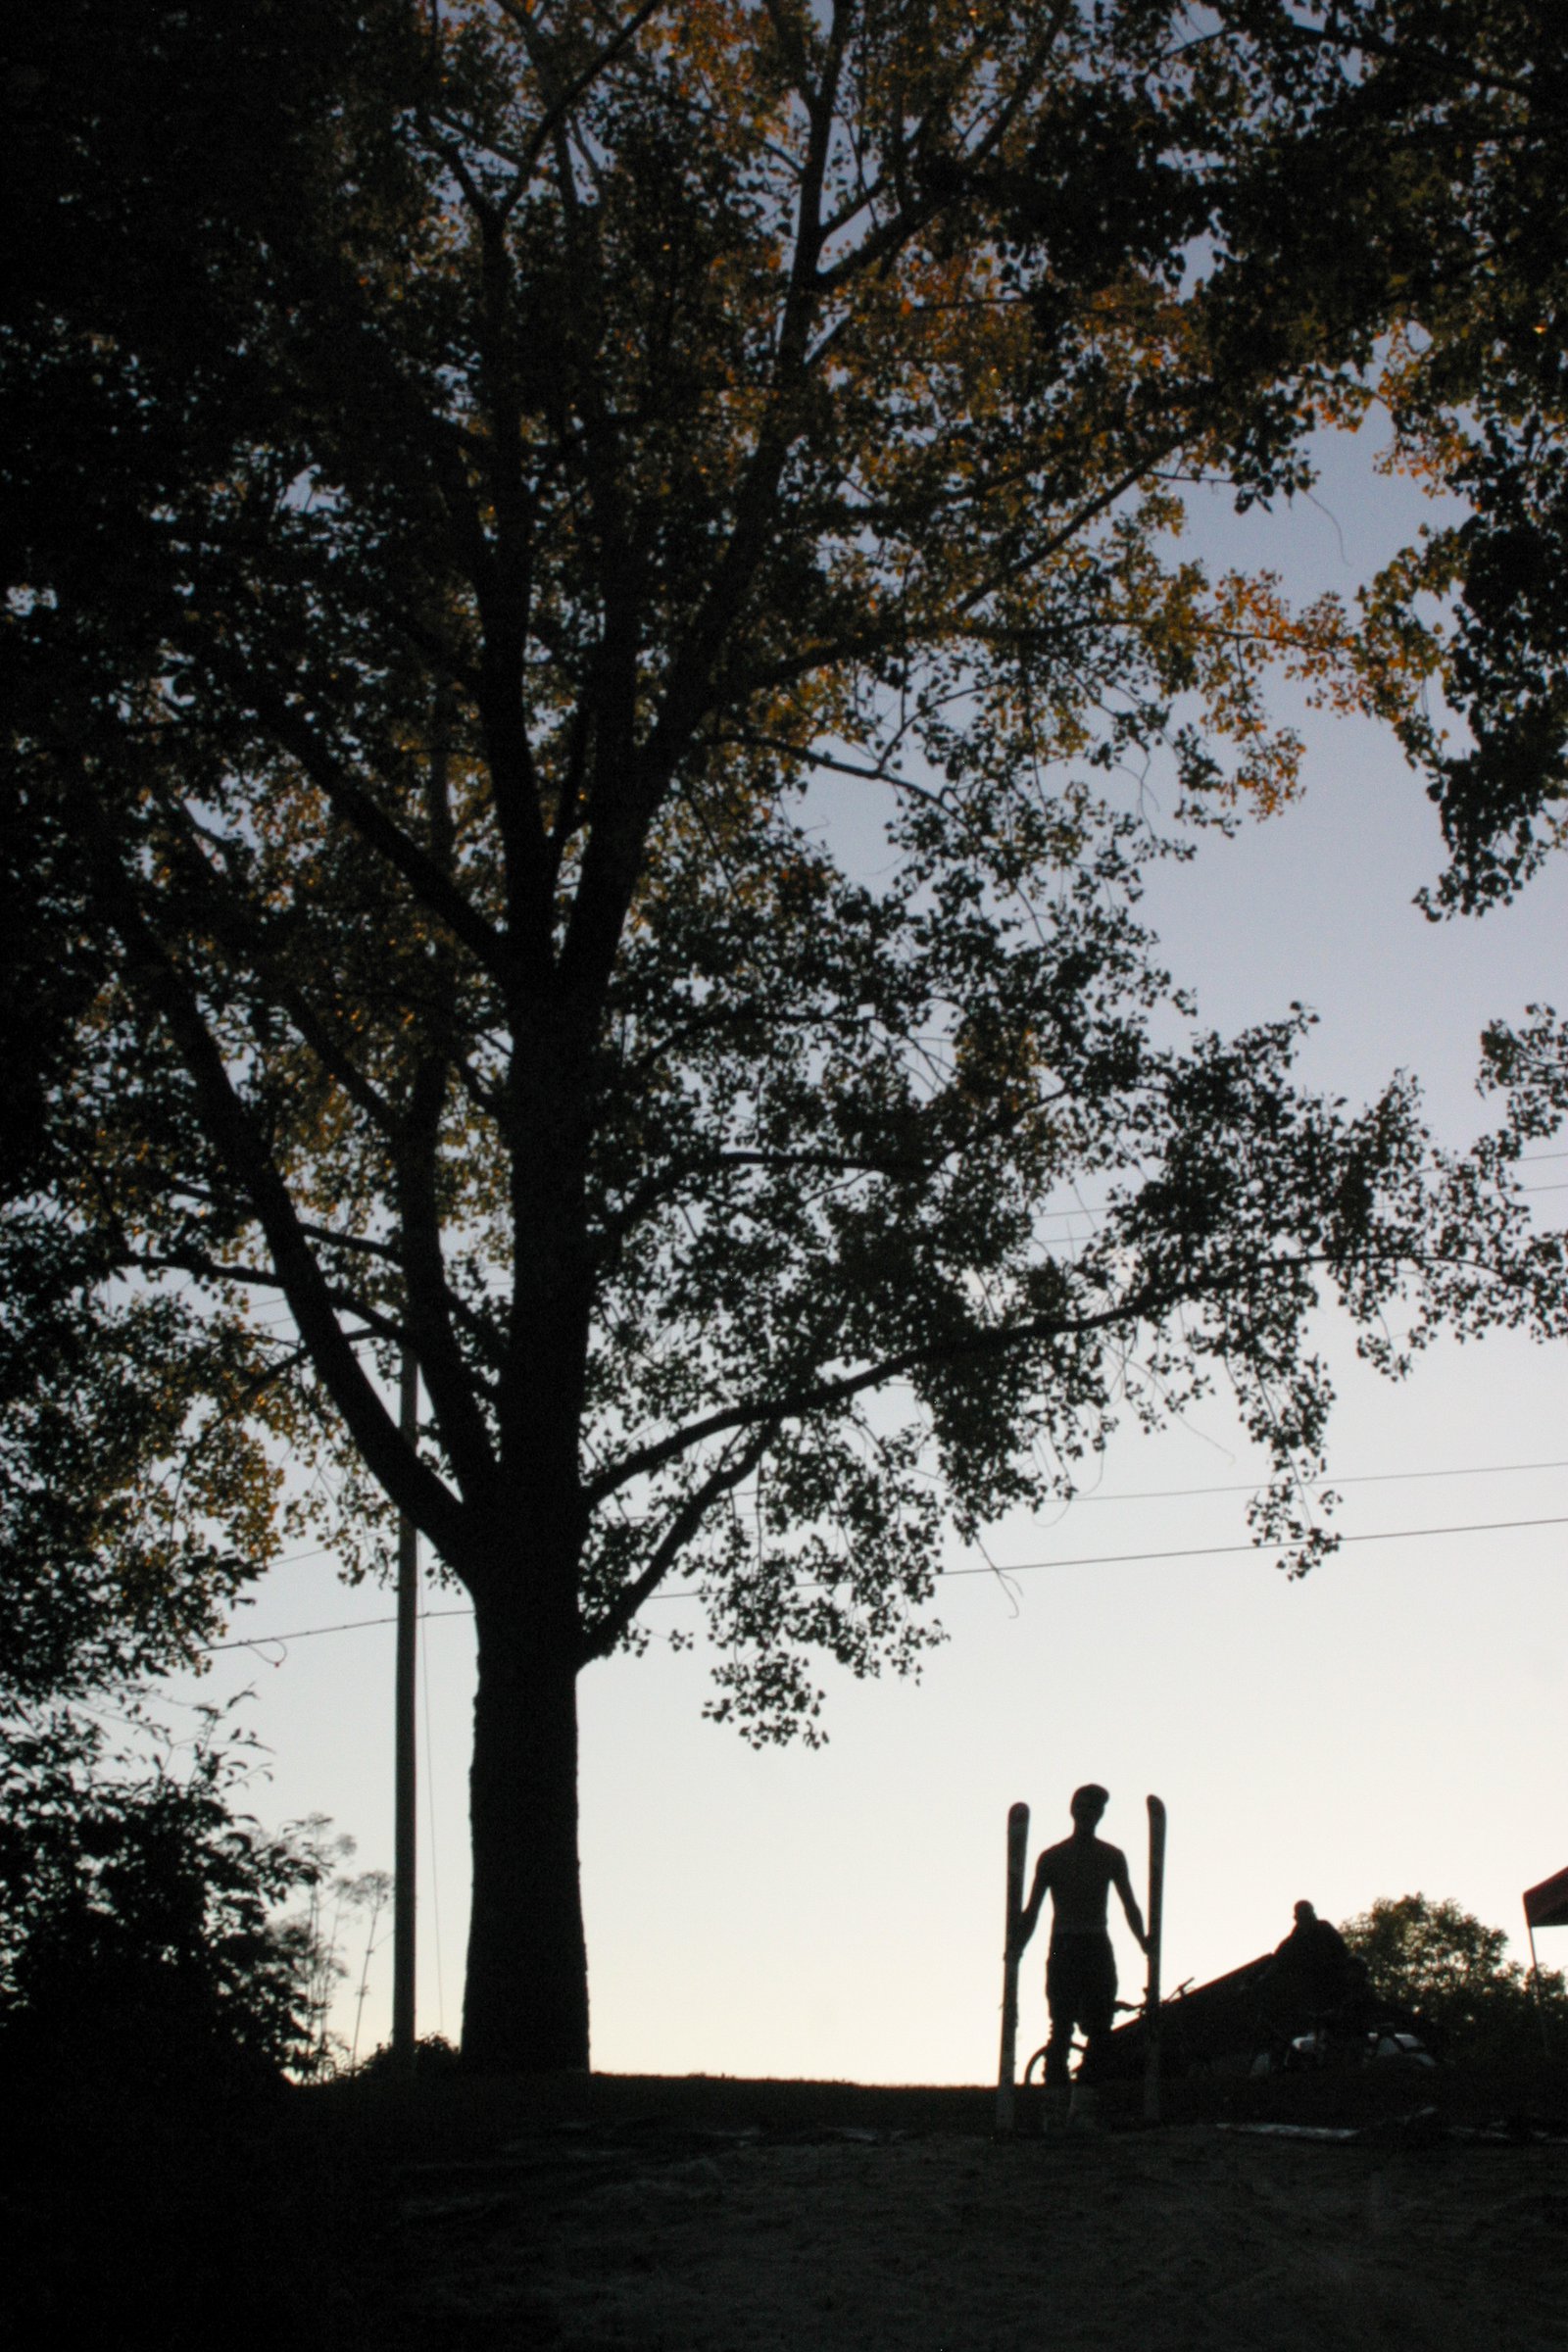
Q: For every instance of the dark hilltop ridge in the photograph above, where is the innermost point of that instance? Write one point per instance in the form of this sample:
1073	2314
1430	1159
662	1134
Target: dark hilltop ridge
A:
609	2213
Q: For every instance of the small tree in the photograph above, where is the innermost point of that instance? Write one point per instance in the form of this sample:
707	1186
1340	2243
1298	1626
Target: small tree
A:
335	1897
1436	1958
138	1927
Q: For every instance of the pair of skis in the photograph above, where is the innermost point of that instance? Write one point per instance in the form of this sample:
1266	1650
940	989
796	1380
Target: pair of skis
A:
1018	1858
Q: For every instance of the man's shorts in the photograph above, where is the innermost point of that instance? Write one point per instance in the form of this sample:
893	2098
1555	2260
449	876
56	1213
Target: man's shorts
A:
1081	1983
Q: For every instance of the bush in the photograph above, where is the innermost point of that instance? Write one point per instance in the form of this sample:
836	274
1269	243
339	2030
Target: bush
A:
136	1927
1442	1961
433	2057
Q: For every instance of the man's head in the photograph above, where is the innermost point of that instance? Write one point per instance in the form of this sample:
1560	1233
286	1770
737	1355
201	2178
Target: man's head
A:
1087	1804
1305	1915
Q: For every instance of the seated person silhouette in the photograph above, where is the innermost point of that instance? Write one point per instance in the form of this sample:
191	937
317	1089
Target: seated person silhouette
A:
1080	1966
1312	1976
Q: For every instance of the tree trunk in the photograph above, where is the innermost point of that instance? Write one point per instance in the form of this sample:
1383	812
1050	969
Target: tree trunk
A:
525	2006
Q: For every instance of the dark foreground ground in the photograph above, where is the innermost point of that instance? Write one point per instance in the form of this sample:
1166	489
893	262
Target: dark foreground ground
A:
614	2214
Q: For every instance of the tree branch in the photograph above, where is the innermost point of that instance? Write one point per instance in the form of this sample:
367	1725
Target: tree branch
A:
408	1483
430	886
463	1427
602	1638
815	1396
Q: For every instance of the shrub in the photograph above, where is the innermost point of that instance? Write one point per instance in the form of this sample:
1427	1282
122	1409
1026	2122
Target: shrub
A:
1435	1957
138	1927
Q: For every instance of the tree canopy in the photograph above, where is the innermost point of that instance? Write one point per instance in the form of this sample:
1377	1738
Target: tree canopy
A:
1436	1957
599	636
1478	100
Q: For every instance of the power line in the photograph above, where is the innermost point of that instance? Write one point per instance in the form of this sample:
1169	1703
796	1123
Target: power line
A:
1361	1477
1249	1485
1205	1551
1099	1559
1246	1486
308	1632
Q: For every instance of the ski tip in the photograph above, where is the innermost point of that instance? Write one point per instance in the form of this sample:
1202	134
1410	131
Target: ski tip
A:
1018	1813
1157	1806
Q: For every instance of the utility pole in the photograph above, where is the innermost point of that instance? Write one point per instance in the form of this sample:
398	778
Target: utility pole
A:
404	1851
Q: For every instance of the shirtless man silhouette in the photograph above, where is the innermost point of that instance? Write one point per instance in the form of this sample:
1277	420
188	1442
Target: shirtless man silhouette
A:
1080	1966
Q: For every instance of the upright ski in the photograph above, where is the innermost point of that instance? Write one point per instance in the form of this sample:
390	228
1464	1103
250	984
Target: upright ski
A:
1155	1926
1017	1855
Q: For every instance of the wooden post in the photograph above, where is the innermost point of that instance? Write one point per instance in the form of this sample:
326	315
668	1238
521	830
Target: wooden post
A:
1535	1978
1006	2068
404	1830
1155	1926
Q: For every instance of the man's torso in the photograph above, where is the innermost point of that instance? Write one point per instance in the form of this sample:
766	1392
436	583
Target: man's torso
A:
1080	1873
1314	1956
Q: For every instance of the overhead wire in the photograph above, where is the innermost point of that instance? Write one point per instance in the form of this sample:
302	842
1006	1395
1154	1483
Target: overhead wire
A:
1359	1478
1006	1568
1204	1551
1246	1486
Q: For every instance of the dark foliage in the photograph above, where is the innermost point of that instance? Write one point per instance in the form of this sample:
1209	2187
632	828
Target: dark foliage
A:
483	483
137	1935
1439	1960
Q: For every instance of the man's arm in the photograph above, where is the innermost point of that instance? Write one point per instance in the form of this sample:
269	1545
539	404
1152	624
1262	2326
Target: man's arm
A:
1129	1901
1031	1910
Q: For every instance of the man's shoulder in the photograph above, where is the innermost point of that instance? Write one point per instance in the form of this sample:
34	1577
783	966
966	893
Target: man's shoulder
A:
1075	1853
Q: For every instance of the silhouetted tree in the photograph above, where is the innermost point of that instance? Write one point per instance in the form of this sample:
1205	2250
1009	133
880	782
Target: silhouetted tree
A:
1467	102
586	690
1442	1961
